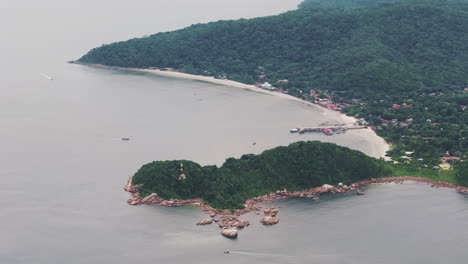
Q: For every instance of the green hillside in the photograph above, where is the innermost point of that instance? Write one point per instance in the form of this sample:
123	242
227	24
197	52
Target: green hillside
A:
350	4
298	166
403	67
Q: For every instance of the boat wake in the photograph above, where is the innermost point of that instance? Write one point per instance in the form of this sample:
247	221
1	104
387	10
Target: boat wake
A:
315	258
255	254
47	76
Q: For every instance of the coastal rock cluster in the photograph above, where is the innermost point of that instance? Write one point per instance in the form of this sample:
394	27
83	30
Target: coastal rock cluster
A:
229	220
270	216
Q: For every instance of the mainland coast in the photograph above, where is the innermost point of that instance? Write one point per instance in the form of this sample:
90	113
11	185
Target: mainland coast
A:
379	145
230	222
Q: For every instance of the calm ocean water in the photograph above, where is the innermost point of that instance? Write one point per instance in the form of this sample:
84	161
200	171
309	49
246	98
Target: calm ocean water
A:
63	165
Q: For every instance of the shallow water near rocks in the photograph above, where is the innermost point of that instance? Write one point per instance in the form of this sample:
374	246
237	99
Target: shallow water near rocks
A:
63	164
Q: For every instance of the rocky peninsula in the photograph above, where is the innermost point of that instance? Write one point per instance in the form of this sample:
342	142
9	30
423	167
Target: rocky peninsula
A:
229	220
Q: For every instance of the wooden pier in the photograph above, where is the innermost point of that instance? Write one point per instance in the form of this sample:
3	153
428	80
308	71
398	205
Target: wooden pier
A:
326	130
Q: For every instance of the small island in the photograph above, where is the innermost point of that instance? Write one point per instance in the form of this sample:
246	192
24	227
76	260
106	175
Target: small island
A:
239	186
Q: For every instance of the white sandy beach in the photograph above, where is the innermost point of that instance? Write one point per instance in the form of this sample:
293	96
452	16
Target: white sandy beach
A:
379	144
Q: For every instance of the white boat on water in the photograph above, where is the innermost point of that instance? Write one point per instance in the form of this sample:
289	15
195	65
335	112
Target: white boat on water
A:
294	130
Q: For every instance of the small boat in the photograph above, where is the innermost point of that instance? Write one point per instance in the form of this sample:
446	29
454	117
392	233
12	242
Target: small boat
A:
294	130
227	251
327	131
125	139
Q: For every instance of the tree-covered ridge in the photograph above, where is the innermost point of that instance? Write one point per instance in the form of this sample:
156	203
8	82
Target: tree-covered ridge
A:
298	166
360	53
350	4
402	67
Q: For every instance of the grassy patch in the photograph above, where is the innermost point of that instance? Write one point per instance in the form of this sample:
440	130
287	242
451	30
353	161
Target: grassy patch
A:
435	174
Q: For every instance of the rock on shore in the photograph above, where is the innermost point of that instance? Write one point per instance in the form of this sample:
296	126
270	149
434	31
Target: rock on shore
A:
205	221
269	220
271	211
229	232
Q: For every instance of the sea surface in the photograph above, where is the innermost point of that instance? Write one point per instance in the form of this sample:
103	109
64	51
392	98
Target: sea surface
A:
63	164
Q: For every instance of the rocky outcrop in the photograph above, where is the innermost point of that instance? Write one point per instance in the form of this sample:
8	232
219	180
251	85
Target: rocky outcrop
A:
129	187
230	221
271	211
205	221
229	232
269	220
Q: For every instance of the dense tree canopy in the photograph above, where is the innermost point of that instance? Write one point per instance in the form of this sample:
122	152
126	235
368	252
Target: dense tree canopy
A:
401	66
350	4
364	53
298	166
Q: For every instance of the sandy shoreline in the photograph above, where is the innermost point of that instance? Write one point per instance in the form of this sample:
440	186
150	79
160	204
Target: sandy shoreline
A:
380	146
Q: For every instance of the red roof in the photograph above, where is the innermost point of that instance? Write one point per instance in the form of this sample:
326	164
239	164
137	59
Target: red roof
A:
396	106
452	157
408	105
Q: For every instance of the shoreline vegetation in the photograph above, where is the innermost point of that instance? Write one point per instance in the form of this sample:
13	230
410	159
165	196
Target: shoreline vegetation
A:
381	146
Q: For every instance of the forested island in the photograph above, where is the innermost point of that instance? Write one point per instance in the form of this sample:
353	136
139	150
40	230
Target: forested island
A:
398	66
239	186
299	166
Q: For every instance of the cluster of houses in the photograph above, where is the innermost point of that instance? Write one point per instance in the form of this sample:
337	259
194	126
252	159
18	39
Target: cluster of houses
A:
445	165
406	123
326	101
407	157
323	99
445	160
404	105
267	85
